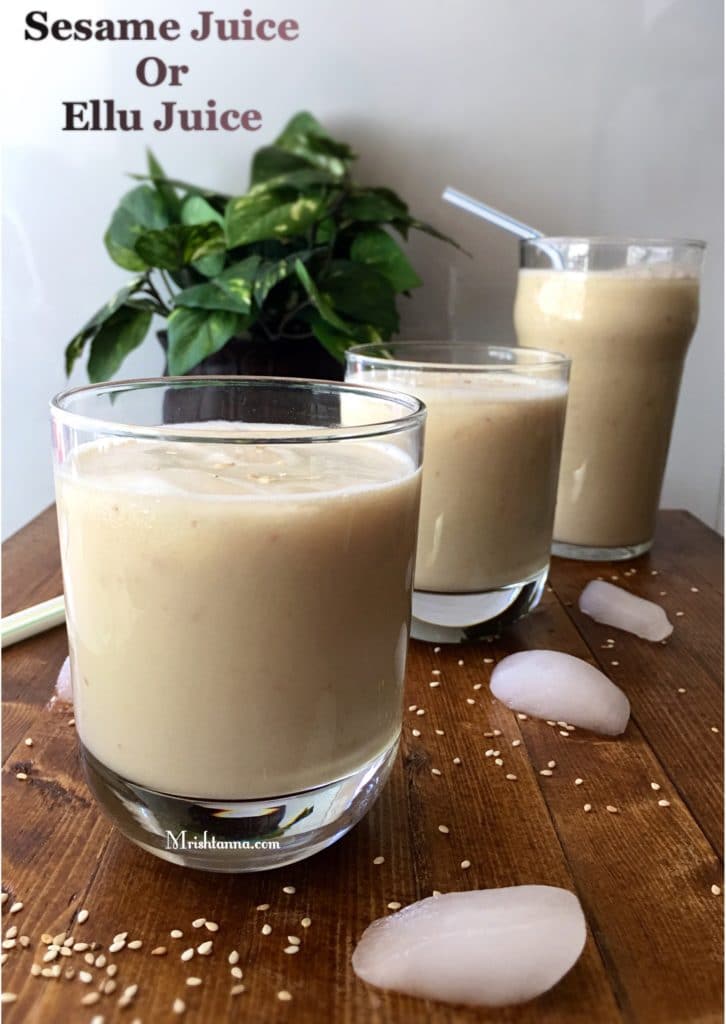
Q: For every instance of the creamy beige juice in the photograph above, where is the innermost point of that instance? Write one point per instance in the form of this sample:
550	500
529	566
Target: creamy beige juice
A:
627	332
489	476
237	614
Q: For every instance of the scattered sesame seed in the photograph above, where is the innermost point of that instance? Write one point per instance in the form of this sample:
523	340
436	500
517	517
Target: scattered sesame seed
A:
436	892
58	939
421	711
679	614
205	948
198	922
488	661
35	969
158	951
111	970
511	777
551	764
179	1006
263	906
293	949
412	707
293	940
565	733
90	999
187	955
21	776
477	686
444	829
284	996
135	944
681	689
82	916
236	972
116	947
521	717
616	663
29	742
88	958
457	760
379	859
11	932
435	771
497	732
465	864
498	761
108	987
266	929
549	722
610	809
436	650
716	890
587	808
713	729
655	786
306	922
24	941
8	997
694	590
664	803
176	933
434	683
470	700
236	990
85	976
439	732
516	743
233	957
416	732
394	905
545	771
194	982
435	671
460	661
211	926
579	782
3	898
100	961
71	722
289	890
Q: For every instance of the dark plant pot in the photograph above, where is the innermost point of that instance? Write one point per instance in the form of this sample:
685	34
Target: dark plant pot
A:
248	357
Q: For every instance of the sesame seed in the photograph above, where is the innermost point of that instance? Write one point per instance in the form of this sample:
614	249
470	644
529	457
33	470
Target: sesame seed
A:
436	650
511	777
488	734
439	732
306	922
435	771
193	982
90	999
284	996
211	926
236	990
394	905
457	760
263	906
179	1006
116	947
17	907
266	929
158	951
47	957
187	955
545	771
111	970
498	761
421	711
564	732
135	944
289	890
108	987
24	941
477	686
205	948
470	700
655	786
435	671
198	922
100	961
233	957
444	829
516	743
176	933
295	949
88	958
436	892
71	722
551	723
3	898
35	969
29	742
579	782
587	808
521	717
679	614
681	689
551	764
616	663
82	916
21	777
8	997
610	809
434	683
130	991
85	976
716	890
460	661
11	932
416	732
236	972
497	732
664	803
694	590
98	1018
378	860
59	939
713	729
293	940
412	707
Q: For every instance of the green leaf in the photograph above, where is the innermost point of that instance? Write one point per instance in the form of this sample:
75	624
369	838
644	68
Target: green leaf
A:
195	334
305	137
374	204
140	210
375	248
272	162
180	244
363	294
231	290
259	217
196	210
78	342
271	272
209	193
120	334
318	300
336	343
163	187
298	181
420	225
302	123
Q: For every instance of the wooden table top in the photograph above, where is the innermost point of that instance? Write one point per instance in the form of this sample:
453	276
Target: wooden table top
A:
644	875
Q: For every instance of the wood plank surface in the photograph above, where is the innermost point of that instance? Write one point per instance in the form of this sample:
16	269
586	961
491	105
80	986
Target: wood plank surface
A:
643	874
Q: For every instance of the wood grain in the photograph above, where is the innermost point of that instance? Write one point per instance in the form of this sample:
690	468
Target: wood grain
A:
644	874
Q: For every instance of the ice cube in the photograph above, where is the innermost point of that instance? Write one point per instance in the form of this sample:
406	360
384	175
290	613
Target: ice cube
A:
616	607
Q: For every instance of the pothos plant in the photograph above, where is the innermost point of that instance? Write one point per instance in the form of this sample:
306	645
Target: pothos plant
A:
305	253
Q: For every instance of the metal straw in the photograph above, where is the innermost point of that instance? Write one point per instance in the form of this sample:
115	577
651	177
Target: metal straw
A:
30	621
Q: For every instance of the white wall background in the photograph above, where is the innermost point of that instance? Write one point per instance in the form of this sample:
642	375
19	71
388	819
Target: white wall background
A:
580	116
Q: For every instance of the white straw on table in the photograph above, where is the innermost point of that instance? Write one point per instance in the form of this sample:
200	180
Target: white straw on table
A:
30	621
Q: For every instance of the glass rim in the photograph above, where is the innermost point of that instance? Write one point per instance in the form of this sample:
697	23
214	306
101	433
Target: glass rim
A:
547	360
413	416
615	240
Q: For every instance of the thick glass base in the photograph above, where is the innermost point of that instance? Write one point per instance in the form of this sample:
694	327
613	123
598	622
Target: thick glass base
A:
237	835
584	553
456	618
